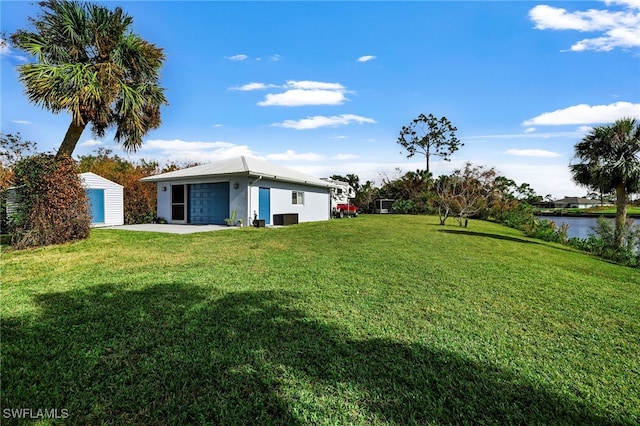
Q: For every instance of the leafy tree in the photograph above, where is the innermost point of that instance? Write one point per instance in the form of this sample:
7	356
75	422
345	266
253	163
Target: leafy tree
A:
352	179
608	159
365	196
91	65
503	197
413	186
466	193
12	149
429	135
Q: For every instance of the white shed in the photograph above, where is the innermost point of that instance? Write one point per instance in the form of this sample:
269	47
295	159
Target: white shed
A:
106	199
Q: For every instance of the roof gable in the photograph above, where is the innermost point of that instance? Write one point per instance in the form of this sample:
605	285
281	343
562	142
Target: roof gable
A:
90	179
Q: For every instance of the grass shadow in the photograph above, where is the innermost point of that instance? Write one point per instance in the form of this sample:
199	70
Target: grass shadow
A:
483	234
179	354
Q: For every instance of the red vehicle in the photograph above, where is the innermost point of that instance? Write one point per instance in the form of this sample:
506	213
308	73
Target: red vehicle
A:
341	195
342	210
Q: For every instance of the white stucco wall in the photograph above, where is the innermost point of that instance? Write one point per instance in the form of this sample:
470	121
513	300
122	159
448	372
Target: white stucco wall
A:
316	200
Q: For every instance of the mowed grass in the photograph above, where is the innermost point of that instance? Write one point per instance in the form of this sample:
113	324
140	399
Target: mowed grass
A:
373	320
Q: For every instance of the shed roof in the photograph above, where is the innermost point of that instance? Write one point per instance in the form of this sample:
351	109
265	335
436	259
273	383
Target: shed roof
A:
241	166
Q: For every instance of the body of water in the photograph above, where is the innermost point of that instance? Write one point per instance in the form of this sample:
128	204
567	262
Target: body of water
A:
579	227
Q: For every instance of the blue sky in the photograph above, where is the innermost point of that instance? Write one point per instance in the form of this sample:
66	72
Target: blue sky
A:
325	87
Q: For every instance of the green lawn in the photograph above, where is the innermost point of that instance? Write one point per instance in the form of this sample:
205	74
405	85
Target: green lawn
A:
373	320
608	210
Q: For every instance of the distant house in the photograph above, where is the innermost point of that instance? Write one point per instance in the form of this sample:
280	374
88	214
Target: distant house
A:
210	193
575	203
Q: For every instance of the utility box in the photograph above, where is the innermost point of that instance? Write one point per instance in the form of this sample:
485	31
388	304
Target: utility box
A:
285	219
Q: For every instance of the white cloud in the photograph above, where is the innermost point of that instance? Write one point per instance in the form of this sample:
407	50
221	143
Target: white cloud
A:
366	58
298	97
586	114
21	122
5	50
323	121
237	57
290	154
546	135
274	58
618	28
190	151
302	92
533	153
314	85
252	86
530	129
343	157
91	142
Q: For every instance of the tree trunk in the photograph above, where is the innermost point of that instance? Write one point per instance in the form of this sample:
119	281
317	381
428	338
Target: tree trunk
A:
70	140
427	154
621	213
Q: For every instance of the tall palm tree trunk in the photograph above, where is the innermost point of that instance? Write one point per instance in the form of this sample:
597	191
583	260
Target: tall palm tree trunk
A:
621	213
70	140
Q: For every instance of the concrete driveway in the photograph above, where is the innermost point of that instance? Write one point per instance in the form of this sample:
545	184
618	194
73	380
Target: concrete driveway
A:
172	229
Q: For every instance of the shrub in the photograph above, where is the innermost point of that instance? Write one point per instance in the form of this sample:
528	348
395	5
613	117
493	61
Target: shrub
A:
403	206
628	253
547	230
51	204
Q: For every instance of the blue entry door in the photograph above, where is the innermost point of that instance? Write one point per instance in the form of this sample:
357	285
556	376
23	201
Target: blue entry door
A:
96	203
264	205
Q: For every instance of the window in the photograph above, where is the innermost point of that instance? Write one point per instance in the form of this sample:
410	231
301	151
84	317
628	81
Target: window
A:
297	197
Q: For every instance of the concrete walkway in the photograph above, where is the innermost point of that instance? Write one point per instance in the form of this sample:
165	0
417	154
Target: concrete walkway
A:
171	229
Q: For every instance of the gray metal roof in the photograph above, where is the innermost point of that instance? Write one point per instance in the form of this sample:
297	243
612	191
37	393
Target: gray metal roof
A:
577	200
241	166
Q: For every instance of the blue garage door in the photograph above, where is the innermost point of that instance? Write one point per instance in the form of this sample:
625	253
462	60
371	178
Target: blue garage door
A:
96	203
208	203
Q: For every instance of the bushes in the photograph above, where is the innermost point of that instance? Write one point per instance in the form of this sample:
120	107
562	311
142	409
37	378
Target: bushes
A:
51	204
547	230
603	243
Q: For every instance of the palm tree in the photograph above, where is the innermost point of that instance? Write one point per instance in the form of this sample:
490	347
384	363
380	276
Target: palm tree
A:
609	160
89	64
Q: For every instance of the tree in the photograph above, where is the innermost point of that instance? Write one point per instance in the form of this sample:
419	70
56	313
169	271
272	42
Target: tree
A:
429	135
91	65
12	149
466	193
608	159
